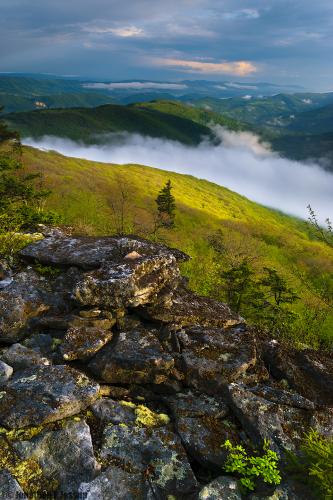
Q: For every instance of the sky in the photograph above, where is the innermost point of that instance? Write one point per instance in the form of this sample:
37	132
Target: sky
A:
279	41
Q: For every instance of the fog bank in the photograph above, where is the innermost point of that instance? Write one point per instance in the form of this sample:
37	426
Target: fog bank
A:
240	163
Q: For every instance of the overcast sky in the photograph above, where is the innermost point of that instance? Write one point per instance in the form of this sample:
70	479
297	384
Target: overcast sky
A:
280	41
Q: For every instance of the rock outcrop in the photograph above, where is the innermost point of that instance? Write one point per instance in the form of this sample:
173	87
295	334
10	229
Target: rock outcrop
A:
117	382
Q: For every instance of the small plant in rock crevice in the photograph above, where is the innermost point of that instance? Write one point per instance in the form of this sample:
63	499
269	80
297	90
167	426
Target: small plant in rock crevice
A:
252	468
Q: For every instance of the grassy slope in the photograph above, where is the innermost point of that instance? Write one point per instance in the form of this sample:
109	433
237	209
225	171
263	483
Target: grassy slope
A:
81	123
83	191
202	116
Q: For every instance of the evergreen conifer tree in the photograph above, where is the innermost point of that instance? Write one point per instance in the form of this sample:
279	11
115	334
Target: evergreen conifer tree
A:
166	206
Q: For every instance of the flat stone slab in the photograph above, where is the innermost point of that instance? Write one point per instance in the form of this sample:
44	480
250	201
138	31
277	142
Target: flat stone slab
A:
187	309
44	394
88	252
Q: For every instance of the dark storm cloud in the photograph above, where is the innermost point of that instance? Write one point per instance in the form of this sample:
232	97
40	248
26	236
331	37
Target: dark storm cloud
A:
278	40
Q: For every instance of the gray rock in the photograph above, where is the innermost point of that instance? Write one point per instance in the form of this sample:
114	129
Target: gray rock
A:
128	283
155	452
308	372
116	484
90	252
19	357
44	394
134	357
83	342
202	423
65	455
109	411
213	357
281	396
9	487
284	426
27	296
187	309
6	372
223	487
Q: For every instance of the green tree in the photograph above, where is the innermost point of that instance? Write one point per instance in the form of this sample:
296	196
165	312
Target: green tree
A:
166	206
21	200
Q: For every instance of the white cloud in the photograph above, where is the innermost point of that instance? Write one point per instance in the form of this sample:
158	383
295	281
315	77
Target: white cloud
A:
124	31
135	86
241	86
247	97
239	68
241	163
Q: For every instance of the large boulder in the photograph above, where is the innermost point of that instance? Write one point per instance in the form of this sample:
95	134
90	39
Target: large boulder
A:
122	271
26	296
203	424
156	453
283	424
308	372
65	455
87	252
213	357
134	356
44	394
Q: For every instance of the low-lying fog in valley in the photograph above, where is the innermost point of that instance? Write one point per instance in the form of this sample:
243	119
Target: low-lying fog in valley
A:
240	163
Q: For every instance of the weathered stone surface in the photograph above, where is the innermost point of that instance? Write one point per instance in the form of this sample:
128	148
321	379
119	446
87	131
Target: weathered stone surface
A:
202	423
282	425
134	357
283	397
28	296
9	487
157	453
223	487
25	297
19	357
65	455
88	252
83	342
129	283
44	394
116	484
109	411
6	372
212	357
187	309
309	372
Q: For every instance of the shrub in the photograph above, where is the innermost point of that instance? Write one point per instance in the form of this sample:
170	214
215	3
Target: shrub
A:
251	468
314	463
